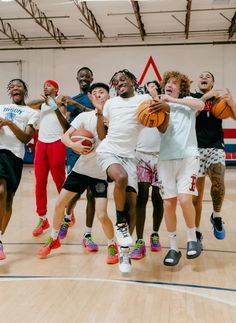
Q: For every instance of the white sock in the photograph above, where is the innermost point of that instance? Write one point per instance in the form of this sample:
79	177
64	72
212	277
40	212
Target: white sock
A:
191	234
54	234
88	230
198	229
68	216
216	214
110	242
43	217
173	241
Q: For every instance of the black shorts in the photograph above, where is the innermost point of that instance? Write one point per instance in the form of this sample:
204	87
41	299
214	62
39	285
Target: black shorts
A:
11	169
78	183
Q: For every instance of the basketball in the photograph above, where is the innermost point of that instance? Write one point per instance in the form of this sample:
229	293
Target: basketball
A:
148	119
221	109
85	135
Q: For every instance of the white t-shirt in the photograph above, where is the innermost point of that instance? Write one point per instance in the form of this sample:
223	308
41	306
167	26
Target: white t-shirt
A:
149	140
50	129
179	140
87	164
22	116
124	126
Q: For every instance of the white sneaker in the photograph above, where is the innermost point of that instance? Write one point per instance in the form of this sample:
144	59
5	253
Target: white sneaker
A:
122	235
124	260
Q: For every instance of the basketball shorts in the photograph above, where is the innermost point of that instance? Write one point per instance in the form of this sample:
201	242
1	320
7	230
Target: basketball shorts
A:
178	176
11	169
147	167
78	183
209	156
107	159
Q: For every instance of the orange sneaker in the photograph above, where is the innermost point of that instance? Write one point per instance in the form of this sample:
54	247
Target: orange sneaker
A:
2	253
45	250
41	226
112	254
73	220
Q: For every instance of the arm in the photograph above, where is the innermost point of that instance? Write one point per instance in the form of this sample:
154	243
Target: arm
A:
70	101
23	136
192	103
229	99
76	146
35	104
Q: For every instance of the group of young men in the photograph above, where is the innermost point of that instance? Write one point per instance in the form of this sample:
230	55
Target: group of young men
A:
174	159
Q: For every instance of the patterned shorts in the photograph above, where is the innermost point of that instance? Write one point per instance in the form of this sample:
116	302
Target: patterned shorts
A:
209	156
147	168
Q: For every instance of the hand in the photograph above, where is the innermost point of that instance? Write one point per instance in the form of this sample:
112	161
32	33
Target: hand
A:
79	148
228	97
212	93
157	106
4	122
98	105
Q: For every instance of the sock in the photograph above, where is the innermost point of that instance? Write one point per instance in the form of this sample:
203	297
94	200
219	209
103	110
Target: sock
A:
87	231
0	236
43	217
121	217
173	241
67	217
191	234
110	242
215	214
54	234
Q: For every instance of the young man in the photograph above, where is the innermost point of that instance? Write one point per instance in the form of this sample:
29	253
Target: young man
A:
17	126
86	173
178	163
81	103
146	153
116	155
212	155
50	152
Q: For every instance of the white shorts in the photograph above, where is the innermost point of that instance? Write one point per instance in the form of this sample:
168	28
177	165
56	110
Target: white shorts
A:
178	176
107	159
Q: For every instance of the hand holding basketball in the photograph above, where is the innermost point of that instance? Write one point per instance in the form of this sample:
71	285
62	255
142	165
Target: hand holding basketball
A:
221	109
83	141
151	113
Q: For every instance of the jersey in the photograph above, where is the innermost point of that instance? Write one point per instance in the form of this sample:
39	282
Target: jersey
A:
22	116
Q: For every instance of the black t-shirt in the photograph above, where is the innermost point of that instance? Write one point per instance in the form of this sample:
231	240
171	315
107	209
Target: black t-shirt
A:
208	128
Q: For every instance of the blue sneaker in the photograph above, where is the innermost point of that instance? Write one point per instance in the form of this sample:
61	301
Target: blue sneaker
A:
218	228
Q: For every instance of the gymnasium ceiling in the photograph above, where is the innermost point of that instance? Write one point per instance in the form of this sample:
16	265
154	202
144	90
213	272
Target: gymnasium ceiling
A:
72	23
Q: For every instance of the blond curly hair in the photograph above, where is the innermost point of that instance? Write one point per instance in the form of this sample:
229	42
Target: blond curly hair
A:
183	80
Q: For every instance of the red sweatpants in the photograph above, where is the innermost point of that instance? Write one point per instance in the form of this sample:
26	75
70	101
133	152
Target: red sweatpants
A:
48	157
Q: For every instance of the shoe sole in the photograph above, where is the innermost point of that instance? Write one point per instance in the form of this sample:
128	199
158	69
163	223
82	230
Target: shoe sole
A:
197	254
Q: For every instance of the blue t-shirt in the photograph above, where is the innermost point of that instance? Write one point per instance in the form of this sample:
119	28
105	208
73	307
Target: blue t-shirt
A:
81	98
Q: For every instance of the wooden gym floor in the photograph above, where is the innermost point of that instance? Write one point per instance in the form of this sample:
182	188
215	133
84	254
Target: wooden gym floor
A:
73	285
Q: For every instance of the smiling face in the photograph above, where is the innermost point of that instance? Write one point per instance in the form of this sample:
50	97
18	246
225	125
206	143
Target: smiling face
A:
17	92
49	89
123	85
205	82
84	78
172	87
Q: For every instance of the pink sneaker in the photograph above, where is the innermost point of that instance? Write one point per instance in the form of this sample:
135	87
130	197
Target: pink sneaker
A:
139	250
89	244
2	254
50	244
155	242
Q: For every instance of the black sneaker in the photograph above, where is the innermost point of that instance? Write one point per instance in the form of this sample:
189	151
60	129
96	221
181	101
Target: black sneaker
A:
218	228
199	236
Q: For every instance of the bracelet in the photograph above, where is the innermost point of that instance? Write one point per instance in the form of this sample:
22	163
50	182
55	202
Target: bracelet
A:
97	114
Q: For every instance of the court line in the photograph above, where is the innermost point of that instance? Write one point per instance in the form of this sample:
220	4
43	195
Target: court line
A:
164	285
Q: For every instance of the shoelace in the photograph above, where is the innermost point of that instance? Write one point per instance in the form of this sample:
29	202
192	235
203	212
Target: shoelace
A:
218	223
111	250
124	231
90	241
64	226
138	245
49	241
125	258
155	239
40	223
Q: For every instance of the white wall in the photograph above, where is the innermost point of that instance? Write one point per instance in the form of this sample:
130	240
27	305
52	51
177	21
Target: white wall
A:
62	65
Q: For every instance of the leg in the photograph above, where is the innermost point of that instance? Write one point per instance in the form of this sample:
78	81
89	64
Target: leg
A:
197	200
131	198
157	203
142	199
6	219
3	202
57	157
90	209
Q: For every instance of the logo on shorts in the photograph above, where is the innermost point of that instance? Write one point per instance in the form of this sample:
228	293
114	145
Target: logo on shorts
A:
100	187
193	183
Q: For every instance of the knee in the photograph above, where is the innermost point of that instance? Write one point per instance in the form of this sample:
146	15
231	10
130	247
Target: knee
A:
102	216
122	180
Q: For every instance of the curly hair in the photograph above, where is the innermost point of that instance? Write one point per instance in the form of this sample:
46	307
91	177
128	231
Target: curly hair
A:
22	82
183	80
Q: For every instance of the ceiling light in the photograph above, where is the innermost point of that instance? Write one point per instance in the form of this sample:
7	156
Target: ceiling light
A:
7	0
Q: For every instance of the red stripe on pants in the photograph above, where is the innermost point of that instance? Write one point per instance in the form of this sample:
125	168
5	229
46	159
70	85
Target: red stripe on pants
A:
48	157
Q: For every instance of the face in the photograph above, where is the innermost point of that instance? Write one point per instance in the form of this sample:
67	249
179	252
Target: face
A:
49	90
17	92
172	87
205	82
84	78
123	85
100	94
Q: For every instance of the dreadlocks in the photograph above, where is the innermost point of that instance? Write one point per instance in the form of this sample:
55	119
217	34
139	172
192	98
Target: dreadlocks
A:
22	82
128	74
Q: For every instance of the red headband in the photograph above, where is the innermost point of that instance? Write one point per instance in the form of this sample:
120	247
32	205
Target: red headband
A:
53	83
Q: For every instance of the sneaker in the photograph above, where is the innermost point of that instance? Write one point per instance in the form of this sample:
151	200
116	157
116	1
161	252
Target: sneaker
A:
122	234
45	250
124	260
73	220
199	239
2	253
155	242
218	228
64	229
112	254
41	226
139	250
89	244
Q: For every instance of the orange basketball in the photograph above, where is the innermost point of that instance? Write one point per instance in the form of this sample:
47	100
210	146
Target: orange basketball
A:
221	109
85	135
148	119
